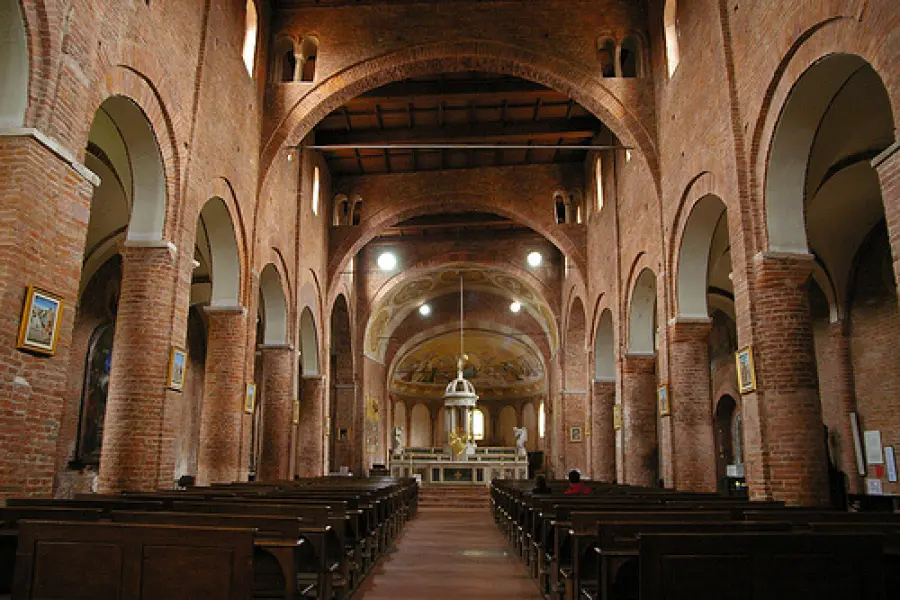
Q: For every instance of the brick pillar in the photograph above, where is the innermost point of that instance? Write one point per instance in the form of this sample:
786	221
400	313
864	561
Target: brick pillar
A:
690	401
838	397
789	412
223	399
603	436
344	402
138	431
45	197
311	430
639	438
887	165
573	415
277	399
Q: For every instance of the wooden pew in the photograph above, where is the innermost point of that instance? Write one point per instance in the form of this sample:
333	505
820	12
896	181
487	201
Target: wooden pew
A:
132	562
768	566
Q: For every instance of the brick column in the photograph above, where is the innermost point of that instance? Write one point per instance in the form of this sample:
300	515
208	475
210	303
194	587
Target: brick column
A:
223	399
792	448
603	436
45	199
344	451
639	437
887	165
573	415
311	430
838	397
690	401
138	430
277	399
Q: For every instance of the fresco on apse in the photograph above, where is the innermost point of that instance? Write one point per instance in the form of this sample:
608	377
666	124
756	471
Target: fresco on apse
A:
498	366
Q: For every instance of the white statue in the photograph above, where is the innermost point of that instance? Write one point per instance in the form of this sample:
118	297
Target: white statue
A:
521	437
398	441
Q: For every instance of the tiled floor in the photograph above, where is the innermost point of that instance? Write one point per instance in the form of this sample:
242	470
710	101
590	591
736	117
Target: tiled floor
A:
450	554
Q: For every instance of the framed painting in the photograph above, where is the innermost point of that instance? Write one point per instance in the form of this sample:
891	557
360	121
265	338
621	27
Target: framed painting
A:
250	398
576	434
39	326
746	372
177	369
617	417
662	397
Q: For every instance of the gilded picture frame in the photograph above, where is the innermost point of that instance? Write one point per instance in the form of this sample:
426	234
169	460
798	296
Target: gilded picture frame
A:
250	398
617	417
576	434
177	369
662	398
39	325
746	371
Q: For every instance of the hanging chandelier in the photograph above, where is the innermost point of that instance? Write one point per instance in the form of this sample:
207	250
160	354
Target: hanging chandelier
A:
460	398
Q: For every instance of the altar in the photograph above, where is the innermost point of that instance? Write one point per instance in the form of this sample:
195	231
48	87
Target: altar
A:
435	466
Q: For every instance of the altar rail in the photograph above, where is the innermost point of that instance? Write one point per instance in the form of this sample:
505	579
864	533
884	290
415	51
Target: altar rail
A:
435	466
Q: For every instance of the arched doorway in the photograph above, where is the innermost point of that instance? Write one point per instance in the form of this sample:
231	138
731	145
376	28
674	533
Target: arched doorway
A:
603	401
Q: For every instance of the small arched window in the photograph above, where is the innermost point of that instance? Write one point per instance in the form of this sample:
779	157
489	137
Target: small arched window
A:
94	394
308	53
559	201
630	57
356	212
606	54
315	191
670	24
478	424
341	210
284	67
598	177
250	34
542	420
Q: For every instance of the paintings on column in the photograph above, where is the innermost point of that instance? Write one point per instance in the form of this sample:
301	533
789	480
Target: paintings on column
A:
746	372
39	325
177	369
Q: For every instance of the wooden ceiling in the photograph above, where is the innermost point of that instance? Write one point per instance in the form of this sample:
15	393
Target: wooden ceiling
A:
468	108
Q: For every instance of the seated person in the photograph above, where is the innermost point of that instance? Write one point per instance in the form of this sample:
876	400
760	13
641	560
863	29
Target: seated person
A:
540	486
575	484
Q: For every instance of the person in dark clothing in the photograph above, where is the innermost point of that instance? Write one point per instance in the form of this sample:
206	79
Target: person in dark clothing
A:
575	484
540	486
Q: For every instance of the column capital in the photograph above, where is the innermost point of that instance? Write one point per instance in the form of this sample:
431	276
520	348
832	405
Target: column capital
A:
689	328
56	148
225	309
274	347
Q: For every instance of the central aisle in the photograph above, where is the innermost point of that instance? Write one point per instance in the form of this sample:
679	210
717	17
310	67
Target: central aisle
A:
448	554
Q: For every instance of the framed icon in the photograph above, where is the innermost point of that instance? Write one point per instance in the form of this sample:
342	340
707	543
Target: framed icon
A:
39	326
617	417
746	372
250	398
662	397
576	434
177	369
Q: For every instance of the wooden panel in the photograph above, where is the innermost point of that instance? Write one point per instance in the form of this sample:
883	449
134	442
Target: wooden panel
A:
94	570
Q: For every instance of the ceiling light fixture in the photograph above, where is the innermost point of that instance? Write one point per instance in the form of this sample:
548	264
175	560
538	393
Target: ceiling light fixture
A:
516	306
424	310
387	261
534	259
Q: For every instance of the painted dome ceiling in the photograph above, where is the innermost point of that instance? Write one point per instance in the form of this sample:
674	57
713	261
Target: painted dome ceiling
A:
499	366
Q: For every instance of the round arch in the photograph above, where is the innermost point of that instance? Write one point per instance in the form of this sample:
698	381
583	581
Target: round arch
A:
693	256
604	348
437	203
217	228
642	314
14	72
455	56
275	306
576	367
148	208
788	166
309	344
